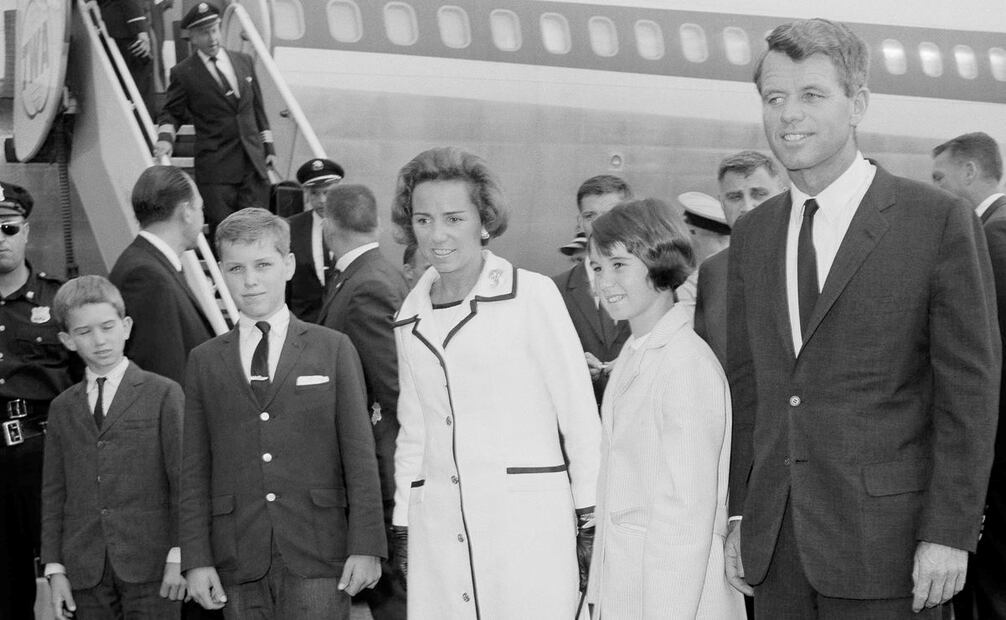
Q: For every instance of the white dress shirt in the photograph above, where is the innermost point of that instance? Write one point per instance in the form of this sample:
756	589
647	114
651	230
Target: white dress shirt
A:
318	245
347	259
165	249
837	204
250	336
113	378
984	205
224	67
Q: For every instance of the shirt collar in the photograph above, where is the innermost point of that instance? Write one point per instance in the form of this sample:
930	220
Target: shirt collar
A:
837	194
206	57
278	322
347	259
165	249
985	204
113	376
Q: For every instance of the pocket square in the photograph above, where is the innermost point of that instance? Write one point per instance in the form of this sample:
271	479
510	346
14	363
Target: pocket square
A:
311	380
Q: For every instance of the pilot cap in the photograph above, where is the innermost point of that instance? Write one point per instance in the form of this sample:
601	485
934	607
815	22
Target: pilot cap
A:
705	212
319	171
202	14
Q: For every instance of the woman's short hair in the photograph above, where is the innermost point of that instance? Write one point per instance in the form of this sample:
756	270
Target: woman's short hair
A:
652	232
448	163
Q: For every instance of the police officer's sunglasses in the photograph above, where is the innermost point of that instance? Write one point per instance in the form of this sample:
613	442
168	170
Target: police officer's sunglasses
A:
9	230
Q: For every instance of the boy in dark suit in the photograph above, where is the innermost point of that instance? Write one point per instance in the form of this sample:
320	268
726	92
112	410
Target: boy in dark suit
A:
110	478
281	502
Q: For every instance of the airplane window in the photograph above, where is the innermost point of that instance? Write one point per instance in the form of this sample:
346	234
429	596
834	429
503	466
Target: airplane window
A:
344	23
455	31
649	40
895	60
735	42
997	58
932	60
505	26
967	64
400	23
693	43
603	36
555	33
288	19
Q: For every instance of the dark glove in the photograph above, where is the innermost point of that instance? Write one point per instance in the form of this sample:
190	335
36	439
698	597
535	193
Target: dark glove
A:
398	536
584	546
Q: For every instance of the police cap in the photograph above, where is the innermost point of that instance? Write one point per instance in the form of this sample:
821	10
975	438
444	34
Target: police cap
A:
15	198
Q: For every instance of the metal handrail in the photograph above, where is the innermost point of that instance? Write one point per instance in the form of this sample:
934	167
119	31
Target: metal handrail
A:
262	52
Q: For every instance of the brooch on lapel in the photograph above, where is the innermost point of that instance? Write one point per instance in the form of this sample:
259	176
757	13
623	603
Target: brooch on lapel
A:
40	314
375	413
494	277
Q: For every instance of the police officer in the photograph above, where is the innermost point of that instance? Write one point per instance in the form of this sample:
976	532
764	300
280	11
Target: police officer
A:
34	368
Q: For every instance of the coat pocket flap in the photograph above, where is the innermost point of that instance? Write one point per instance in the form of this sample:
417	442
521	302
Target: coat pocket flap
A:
223	504
329	498
896	477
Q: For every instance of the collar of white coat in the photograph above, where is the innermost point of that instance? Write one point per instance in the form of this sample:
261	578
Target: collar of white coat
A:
497	282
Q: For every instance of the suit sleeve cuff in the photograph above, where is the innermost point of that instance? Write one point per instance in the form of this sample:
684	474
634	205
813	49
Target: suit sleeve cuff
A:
54	568
734	518
174	556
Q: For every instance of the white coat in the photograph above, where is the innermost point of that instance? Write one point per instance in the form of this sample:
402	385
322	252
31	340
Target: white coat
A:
662	489
480	476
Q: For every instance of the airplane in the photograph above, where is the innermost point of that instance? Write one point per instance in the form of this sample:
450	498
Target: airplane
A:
553	92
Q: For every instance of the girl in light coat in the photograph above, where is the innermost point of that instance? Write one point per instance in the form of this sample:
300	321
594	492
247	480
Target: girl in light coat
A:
665	451
499	443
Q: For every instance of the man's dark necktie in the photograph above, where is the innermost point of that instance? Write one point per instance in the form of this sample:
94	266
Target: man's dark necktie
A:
222	79
327	259
806	266
260	364
99	405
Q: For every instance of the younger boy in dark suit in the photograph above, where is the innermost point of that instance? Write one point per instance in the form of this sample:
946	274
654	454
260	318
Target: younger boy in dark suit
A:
281	502
110	478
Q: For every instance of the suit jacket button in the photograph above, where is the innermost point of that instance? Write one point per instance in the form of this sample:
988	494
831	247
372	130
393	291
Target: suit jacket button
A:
267	457
264	416
794	401
270	497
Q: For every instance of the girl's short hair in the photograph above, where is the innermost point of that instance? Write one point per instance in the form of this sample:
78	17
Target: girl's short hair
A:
652	232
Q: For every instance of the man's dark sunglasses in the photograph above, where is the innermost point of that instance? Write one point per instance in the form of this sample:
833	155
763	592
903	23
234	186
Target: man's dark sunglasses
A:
9	230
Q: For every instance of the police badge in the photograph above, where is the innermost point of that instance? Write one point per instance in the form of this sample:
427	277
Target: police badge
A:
40	314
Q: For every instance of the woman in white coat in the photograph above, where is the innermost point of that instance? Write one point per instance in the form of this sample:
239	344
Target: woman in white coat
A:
665	451
499	443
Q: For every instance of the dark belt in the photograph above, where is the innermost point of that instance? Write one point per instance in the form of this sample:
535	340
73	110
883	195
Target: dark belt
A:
22	420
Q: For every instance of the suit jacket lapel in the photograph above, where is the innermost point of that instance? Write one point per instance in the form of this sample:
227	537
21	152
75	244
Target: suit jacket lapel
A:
211	83
162	260
230	359
288	358
583	296
83	408
775	262
867	227
127	393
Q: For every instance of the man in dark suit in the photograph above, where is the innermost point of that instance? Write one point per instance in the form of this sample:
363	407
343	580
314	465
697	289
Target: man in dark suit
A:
362	298
863	358
168	322
280	496
746	180
971	167
306	289
601	338
217	91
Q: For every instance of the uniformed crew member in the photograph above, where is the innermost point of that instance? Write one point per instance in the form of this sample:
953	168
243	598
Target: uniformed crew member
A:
126	22
34	368
306	290
217	91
